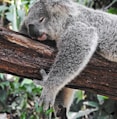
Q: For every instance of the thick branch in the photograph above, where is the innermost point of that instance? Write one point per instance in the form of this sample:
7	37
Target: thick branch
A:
27	42
23	59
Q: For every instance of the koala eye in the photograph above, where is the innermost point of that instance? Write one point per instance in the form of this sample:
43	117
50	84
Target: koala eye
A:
42	19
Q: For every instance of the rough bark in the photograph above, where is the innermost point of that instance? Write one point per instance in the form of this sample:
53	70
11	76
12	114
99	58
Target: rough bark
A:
26	59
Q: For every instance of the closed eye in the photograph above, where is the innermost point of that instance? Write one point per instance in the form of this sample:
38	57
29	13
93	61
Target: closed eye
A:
42	19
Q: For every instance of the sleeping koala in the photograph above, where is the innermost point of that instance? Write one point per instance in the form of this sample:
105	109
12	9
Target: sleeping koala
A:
79	32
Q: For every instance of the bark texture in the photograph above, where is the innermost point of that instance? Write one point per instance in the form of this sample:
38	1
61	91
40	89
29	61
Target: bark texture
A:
24	57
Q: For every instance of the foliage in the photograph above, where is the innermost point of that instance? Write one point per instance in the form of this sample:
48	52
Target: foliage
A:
91	106
14	11
20	99
113	10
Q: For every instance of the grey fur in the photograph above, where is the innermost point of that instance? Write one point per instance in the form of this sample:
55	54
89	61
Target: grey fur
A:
79	32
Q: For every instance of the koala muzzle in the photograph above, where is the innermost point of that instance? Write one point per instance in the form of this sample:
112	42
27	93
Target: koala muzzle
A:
35	33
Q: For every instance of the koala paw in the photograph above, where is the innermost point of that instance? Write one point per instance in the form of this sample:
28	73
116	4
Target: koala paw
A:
48	95
47	99
44	78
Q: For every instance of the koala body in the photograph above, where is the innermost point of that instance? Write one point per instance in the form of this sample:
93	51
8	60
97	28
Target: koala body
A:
78	31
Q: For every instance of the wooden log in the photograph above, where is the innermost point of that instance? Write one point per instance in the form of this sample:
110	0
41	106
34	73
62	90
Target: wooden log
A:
100	76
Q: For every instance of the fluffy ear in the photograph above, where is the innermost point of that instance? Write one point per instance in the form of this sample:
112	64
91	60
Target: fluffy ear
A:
50	1
54	1
61	7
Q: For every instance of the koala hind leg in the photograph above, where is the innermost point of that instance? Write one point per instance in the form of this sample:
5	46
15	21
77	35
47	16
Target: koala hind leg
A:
63	99
63	102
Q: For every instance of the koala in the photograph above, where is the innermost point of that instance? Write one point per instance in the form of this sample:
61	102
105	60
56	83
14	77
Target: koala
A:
79	32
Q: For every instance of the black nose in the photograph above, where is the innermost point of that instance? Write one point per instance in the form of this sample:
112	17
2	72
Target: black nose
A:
33	31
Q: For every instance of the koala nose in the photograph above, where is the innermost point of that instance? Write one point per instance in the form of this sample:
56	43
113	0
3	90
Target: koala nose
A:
33	31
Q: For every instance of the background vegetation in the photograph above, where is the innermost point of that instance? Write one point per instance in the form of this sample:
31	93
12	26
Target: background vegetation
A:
18	96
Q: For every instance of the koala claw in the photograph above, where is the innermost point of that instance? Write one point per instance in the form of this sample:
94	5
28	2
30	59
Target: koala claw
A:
43	74
46	99
44	78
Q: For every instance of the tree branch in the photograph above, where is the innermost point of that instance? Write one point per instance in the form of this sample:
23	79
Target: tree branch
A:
24	57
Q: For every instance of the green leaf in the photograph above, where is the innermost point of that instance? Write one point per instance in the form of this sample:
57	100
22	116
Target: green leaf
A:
3	8
32	117
23	115
101	98
49	111
1	76
39	109
91	103
4	84
113	10
26	81
37	91
28	88
79	95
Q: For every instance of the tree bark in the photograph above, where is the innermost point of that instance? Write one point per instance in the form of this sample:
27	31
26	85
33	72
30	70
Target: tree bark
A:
24	57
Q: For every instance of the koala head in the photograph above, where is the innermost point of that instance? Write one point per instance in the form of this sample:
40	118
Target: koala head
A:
47	19
36	21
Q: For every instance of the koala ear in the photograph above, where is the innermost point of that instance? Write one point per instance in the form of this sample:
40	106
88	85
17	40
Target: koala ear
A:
49	1
61	7
45	1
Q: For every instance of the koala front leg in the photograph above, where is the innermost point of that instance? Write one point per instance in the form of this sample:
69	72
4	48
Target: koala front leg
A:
76	47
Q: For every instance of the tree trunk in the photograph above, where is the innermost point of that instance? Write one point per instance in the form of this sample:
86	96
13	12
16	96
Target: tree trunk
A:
24	57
